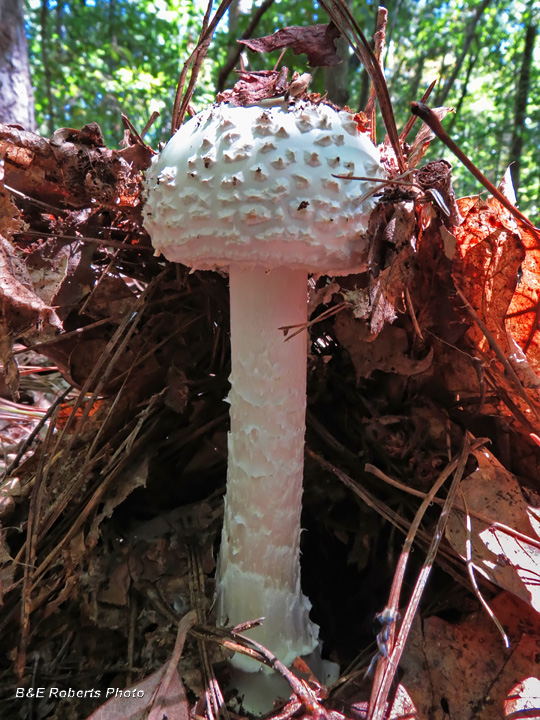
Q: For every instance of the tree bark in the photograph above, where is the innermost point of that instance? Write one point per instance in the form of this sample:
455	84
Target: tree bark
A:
336	78
16	93
521	101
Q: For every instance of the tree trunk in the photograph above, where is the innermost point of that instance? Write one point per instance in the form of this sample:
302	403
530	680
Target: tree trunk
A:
522	97
16	93
464	88
336	78
234	55
471	29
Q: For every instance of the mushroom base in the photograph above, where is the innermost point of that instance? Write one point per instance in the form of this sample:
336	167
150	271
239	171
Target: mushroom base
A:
257	692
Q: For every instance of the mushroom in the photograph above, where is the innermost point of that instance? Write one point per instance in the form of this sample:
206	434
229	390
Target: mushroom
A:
253	190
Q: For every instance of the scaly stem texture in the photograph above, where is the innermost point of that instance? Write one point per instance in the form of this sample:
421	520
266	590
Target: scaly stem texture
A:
259	568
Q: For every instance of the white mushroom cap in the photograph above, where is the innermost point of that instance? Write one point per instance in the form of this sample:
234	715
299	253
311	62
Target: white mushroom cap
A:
254	186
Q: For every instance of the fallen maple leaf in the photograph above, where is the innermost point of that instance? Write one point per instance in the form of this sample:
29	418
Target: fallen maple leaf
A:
316	41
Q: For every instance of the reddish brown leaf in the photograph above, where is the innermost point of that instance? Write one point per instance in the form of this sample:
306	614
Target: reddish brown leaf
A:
522	319
316	41
489	254
467	665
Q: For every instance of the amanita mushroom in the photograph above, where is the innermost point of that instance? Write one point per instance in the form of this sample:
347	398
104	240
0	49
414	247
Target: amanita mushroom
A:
252	190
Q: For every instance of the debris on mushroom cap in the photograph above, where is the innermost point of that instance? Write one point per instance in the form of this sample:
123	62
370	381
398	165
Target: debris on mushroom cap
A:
255	186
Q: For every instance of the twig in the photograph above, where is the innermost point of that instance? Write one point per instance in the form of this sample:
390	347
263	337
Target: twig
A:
378	700
410	307
489	522
35	432
379	39
410	122
470	570
84	239
32	537
346	23
498	352
391	610
215	703
428	116
304	693
182	99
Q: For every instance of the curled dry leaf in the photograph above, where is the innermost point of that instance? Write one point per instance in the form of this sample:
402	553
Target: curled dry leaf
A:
73	169
435	178
316	41
501	555
253	87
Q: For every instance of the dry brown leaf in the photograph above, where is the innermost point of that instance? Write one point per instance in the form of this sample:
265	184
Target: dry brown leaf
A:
463	671
133	478
316	41
389	351
73	168
133	703
508	561
392	254
115	589
22	311
253	87
10	218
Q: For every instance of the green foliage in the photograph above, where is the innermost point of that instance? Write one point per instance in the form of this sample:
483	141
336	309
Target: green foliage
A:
484	92
93	59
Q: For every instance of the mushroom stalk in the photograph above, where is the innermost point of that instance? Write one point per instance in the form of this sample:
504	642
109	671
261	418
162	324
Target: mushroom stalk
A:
275	189
259	567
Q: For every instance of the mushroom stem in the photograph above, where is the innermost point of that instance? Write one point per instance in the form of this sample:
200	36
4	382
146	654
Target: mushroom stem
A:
259	565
